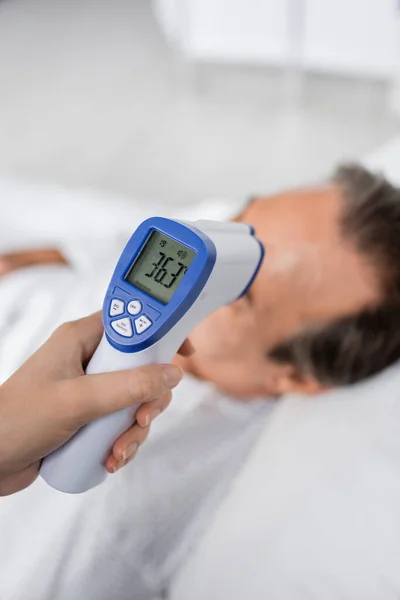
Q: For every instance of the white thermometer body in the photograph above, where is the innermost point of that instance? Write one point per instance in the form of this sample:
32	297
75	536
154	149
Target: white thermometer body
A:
170	276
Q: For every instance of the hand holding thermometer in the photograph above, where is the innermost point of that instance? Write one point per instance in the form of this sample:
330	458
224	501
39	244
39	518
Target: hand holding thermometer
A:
169	277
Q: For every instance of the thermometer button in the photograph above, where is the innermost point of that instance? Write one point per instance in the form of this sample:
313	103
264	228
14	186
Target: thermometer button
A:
117	307
123	327
142	324
134	307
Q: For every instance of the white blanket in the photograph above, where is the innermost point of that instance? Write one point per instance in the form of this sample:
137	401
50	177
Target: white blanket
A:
125	539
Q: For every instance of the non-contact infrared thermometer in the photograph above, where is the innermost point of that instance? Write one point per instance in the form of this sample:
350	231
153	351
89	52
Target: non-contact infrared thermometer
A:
170	276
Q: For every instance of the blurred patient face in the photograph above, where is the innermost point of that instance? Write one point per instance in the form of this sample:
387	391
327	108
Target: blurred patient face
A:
310	276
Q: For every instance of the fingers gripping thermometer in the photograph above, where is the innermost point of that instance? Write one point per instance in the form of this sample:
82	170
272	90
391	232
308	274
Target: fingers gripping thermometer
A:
169	277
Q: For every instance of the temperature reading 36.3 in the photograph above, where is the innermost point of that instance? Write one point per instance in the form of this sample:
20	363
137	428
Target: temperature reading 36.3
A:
162	271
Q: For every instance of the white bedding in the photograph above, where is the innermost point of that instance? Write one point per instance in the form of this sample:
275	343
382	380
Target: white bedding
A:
315	512
126	539
313	509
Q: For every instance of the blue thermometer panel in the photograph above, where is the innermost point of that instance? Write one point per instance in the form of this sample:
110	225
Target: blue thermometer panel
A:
161	272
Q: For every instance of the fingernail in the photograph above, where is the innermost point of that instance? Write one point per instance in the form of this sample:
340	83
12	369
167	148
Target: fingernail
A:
129	451
172	375
150	417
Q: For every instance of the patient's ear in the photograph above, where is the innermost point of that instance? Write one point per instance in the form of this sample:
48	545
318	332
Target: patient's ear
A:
293	381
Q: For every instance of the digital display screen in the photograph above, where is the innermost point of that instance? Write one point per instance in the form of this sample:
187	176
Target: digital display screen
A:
160	266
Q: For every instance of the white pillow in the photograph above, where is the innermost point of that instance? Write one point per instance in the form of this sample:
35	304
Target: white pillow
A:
316	511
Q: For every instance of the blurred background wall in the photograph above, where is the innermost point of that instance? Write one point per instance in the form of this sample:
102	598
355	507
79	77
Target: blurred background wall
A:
184	99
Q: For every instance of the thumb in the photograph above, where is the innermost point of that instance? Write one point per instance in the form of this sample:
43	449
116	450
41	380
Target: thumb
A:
93	396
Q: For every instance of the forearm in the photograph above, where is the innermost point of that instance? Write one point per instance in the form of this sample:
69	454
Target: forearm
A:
13	261
47	255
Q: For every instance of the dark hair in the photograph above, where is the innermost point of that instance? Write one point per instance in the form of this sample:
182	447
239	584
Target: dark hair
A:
354	347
